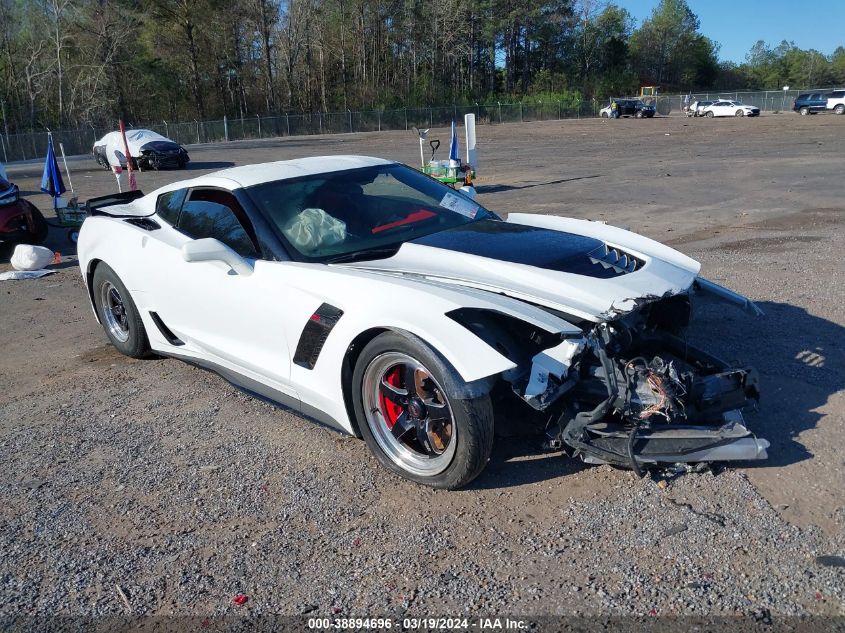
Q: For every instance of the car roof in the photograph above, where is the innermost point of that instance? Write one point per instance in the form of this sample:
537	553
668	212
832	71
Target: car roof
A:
249	175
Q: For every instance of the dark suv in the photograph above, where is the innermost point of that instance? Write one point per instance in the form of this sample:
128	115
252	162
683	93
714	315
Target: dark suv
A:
810	103
634	107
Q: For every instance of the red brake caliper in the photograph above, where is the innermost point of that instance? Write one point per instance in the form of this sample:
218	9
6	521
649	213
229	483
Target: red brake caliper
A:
391	409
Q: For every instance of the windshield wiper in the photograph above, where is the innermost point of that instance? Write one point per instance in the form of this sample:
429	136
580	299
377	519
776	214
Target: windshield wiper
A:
364	254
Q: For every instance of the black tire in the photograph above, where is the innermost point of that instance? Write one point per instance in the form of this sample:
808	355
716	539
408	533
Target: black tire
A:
710	114
804	111
639	114
39	229
73	236
840	109
136	344
739	113
472	418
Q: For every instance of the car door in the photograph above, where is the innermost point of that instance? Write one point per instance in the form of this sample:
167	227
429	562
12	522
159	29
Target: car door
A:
231	319
818	102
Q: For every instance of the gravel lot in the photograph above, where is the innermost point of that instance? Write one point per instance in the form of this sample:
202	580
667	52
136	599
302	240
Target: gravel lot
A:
164	480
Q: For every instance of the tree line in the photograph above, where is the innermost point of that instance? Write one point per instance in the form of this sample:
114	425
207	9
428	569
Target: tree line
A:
72	62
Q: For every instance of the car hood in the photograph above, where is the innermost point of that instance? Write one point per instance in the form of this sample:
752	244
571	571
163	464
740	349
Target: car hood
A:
160	146
587	269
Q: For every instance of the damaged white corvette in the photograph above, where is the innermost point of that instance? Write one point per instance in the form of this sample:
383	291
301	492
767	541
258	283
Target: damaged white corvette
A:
376	300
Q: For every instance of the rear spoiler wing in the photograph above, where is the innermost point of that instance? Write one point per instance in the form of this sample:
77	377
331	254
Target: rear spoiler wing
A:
98	206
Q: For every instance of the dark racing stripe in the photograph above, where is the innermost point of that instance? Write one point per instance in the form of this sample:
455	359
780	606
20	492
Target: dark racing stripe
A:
529	245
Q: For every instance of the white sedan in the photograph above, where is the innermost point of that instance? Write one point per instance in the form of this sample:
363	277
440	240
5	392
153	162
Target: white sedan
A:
729	108
375	299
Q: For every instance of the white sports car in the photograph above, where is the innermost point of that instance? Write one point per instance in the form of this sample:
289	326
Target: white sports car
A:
149	150
728	108
373	298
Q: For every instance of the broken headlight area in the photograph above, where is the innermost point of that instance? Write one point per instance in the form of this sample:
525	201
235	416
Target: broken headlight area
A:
632	392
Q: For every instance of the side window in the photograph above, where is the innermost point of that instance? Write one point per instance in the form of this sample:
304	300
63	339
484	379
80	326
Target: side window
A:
169	204
204	218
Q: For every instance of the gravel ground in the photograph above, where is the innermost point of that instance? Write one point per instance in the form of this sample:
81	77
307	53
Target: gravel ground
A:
164	480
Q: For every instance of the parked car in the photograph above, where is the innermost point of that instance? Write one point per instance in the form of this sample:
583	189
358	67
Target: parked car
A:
810	103
20	221
696	108
149	150
729	108
629	107
836	102
370	297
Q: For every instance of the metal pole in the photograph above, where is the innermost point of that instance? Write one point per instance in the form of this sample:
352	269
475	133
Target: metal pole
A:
350	120
5	157
521	118
500	111
5	124
198	130
287	122
166	130
558	110
225	128
406	118
378	113
67	171
258	118
430	119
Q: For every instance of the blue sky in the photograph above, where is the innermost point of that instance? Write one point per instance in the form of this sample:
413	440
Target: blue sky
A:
737	24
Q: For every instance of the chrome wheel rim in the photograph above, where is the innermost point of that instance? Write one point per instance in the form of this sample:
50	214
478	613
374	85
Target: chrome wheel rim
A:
114	312
408	414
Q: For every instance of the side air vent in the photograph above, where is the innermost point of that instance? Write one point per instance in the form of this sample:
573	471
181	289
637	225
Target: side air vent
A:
616	259
165	331
314	335
145	223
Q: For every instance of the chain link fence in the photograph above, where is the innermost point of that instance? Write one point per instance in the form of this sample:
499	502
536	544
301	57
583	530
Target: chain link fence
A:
80	140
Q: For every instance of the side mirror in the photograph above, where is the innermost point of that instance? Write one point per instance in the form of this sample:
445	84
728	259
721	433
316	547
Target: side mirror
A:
209	249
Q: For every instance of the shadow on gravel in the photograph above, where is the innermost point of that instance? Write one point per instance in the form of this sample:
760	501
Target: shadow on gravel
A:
500	188
520	461
801	359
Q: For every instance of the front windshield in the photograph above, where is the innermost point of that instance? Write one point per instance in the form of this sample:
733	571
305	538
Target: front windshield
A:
337	214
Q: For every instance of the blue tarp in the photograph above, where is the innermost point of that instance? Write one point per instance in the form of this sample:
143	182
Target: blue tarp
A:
51	180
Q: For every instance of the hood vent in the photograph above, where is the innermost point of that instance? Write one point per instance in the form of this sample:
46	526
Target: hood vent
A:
612	257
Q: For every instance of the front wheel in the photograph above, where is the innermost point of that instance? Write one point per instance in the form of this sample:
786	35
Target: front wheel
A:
410	417
710	115
118	313
804	111
639	114
739	113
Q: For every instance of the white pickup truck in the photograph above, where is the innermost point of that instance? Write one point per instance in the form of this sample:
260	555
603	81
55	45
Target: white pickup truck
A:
836	101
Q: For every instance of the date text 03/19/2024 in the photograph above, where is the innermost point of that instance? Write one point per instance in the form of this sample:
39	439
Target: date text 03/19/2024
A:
420	623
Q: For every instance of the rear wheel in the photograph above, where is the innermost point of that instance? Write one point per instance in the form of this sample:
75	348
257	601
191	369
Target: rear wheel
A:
118	313
409	420
840	109
39	228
